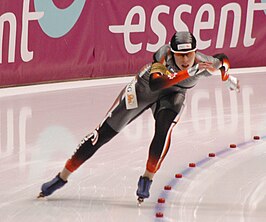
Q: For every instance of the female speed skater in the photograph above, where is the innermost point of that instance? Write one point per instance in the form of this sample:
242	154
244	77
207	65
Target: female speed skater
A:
161	86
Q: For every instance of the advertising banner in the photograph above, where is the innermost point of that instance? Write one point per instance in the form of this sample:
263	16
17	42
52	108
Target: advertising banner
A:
53	40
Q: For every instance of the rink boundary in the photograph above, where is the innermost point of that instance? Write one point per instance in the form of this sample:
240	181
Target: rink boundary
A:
173	183
49	87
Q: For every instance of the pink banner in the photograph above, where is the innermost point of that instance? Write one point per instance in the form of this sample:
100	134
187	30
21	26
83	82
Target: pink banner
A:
54	40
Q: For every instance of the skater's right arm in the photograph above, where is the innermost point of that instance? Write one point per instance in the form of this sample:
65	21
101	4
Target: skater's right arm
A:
161	77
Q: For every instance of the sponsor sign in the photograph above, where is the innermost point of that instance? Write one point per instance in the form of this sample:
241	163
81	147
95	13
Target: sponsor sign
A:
53	40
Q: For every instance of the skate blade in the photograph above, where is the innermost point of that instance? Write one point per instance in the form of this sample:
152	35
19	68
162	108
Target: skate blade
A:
40	196
140	201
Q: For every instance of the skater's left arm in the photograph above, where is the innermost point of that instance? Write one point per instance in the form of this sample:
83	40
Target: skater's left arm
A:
231	82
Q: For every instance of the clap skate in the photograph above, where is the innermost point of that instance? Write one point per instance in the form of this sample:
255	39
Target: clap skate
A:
144	185
51	186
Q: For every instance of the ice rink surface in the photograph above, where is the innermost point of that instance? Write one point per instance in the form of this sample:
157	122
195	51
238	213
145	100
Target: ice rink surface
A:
40	131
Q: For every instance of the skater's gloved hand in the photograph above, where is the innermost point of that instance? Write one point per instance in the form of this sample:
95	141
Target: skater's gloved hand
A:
232	83
193	70
225	63
225	66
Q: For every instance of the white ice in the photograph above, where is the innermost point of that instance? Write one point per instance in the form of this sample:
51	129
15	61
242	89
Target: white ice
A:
41	127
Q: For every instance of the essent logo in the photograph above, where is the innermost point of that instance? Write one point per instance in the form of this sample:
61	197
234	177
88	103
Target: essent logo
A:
57	22
234	10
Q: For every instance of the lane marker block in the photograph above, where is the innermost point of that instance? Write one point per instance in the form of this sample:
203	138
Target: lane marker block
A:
256	138
167	187
192	165
232	145
161	200
178	175
212	155
159	214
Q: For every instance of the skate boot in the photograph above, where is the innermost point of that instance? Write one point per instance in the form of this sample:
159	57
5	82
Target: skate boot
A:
143	190
51	186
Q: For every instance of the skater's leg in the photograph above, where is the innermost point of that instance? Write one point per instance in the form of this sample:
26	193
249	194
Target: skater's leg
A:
166	113
116	119
165	121
159	147
89	145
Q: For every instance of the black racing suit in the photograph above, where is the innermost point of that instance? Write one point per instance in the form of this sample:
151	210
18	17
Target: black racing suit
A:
133	100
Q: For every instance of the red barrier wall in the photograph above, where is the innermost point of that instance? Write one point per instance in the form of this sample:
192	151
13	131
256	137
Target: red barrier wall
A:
56	40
